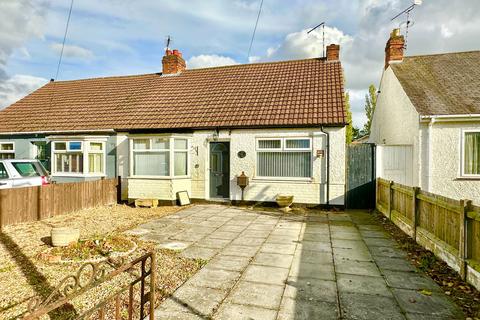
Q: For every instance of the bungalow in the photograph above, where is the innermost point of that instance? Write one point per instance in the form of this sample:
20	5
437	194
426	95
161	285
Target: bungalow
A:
281	123
427	121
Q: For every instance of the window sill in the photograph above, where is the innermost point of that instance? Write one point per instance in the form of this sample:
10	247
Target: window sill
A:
282	179
477	178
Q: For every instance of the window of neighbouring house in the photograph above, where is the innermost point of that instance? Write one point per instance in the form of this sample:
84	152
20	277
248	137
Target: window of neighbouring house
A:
284	157
154	156
471	153
78	157
3	172
7	150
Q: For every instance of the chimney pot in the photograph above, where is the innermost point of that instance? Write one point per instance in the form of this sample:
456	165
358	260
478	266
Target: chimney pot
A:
394	48
173	62
333	52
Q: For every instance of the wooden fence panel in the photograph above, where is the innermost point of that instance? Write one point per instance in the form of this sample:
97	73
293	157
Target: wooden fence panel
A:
37	203
449	228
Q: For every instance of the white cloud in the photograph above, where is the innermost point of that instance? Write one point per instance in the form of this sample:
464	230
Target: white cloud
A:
446	32
17	87
299	45
73	51
209	60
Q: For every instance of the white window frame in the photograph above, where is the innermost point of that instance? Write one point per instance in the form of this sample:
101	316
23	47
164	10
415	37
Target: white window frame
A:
8	151
171	150
283	148
462	154
84	151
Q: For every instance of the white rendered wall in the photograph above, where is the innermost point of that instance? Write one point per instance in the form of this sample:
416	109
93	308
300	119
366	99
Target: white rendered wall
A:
309	191
396	121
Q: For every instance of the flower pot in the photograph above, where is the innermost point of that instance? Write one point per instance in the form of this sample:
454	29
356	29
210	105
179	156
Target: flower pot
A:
284	201
63	236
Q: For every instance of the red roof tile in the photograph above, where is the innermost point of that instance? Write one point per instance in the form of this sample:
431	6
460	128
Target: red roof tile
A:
290	93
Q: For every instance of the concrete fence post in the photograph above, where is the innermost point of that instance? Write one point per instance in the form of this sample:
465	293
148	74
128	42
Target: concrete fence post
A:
415	212
390	199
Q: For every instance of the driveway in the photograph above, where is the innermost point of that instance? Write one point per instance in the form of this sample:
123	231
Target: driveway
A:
318	265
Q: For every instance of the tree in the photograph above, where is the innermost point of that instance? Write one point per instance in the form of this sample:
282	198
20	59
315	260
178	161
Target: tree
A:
349	128
370	104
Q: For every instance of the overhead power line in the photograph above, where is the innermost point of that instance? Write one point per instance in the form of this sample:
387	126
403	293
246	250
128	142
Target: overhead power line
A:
64	39
255	29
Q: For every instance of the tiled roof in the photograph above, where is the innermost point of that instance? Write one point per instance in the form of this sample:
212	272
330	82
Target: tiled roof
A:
291	93
442	84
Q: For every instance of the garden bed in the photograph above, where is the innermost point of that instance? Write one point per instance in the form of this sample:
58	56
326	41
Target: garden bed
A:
23	274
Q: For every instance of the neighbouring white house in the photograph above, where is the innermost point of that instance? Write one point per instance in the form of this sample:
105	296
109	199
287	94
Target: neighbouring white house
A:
281	123
427	121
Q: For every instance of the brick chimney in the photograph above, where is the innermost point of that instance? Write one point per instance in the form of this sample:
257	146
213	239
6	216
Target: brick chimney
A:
394	48
333	52
173	62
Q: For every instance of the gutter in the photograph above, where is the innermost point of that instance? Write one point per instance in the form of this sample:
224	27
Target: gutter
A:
451	117
328	164
58	131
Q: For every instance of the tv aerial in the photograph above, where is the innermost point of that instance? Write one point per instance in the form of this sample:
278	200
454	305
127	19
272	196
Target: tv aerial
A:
323	35
168	42
407	23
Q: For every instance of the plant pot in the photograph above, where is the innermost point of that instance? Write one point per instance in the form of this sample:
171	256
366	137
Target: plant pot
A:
63	236
284	201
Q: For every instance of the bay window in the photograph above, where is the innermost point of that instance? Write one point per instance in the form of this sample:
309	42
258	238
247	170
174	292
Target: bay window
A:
78	158
154	156
471	153
7	150
284	157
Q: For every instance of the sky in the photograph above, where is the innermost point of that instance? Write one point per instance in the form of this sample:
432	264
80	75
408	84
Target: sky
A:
122	37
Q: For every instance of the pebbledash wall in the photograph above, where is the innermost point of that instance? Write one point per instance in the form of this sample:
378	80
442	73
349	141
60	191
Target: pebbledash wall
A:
307	191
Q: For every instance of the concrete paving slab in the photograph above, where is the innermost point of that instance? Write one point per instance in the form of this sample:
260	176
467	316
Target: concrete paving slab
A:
266	274
410	280
362	284
278	248
255	233
224	235
213	243
248	241
197	252
374	234
257	294
273	260
312	290
311	270
388	252
351	254
230	311
292	309
396	264
282	239
317	257
362	268
380	242
349	244
346	235
300	245
231	228
435	305
214	278
230	263
205	303
241	251
315	246
365	307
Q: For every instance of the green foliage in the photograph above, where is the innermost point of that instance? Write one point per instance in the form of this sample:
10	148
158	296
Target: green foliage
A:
370	104
349	129
427	261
